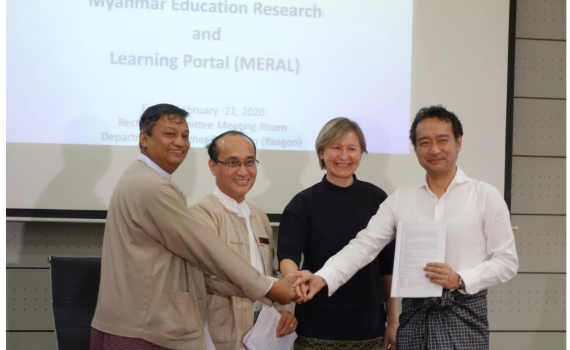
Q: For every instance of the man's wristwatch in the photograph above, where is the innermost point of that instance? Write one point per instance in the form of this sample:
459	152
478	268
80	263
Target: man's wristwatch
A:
461	284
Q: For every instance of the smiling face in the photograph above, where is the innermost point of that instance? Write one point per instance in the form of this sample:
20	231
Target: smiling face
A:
168	145
436	147
342	158
234	182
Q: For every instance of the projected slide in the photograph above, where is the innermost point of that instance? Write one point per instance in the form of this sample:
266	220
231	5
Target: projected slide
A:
82	71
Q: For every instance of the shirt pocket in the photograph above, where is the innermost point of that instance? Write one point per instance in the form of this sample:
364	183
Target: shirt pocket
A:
221	324
176	316
268	257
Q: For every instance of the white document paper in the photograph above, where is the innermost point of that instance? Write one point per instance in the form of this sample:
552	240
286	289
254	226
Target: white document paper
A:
417	243
262	335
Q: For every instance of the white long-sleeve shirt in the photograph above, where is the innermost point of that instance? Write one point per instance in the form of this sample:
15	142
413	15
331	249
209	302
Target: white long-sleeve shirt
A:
480	244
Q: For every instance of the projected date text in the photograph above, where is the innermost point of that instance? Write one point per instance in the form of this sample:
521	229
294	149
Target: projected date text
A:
244	111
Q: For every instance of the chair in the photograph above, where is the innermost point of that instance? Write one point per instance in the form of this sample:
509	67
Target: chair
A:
74	288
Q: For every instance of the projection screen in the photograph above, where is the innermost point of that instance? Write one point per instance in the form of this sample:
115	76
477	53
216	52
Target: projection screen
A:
80	73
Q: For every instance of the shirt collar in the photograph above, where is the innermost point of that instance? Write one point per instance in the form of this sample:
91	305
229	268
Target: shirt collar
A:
143	158
459	178
229	202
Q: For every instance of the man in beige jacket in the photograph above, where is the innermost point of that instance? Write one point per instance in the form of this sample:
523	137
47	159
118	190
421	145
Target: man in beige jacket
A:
245	228
152	293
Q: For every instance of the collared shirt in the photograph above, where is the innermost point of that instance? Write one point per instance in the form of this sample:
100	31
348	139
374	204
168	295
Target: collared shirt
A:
480	243
243	210
143	158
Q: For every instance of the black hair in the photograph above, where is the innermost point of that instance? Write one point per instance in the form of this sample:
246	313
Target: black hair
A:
153	114
436	112
214	150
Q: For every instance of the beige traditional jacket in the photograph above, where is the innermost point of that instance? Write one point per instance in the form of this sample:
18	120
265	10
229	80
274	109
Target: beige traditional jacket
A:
231	317
154	249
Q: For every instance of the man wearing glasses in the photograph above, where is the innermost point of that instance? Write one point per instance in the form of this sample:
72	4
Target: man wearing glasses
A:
245	228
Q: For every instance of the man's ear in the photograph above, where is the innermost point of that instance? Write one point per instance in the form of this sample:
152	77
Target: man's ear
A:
212	165
459	141
143	139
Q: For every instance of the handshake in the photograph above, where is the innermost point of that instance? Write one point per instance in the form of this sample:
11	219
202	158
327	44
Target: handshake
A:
300	287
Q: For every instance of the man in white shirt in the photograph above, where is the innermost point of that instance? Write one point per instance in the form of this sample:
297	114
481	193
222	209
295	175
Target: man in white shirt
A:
243	227
480	248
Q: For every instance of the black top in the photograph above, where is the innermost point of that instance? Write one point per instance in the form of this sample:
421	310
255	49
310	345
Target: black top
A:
319	222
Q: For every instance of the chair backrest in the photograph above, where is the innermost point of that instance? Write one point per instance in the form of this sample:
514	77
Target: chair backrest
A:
74	290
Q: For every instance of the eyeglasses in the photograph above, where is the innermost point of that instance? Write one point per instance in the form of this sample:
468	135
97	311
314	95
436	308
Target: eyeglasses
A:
233	163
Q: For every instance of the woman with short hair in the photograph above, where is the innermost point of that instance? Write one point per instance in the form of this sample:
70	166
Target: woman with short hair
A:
318	223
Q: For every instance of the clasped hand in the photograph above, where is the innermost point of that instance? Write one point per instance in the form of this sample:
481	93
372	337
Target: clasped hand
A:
299	286
306	285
